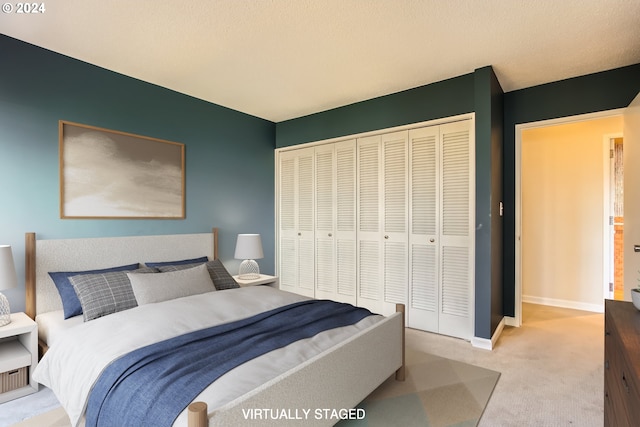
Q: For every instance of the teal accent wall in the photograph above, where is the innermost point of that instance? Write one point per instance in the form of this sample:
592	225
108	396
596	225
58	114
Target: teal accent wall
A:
603	91
488	255
479	92
229	155
442	99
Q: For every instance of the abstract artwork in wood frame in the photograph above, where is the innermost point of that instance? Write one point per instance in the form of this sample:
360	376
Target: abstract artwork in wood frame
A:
117	175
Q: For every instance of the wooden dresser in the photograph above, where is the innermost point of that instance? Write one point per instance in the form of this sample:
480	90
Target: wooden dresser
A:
621	364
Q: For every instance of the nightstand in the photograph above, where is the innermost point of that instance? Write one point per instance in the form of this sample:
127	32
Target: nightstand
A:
18	357
264	279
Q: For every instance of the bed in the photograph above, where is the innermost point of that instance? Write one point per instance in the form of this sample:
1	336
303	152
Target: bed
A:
317	378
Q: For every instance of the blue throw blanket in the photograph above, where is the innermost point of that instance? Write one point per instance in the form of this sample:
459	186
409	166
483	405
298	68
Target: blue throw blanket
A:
152	385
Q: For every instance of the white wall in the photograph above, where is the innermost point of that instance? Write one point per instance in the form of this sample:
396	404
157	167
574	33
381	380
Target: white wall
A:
631	196
562	213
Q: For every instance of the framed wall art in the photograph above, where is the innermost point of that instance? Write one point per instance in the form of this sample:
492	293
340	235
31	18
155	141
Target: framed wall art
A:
111	174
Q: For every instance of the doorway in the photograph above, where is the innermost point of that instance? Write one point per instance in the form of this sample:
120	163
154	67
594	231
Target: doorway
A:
564	262
616	217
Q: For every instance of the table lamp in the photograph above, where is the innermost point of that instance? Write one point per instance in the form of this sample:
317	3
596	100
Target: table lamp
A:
8	280
249	248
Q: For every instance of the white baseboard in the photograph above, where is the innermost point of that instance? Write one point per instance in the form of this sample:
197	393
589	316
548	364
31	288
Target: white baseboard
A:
489	344
510	321
576	305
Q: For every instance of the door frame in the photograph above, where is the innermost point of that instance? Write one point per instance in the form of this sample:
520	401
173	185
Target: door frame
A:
519	128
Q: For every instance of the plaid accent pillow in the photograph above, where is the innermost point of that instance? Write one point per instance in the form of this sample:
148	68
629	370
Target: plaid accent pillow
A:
70	301
221	278
103	293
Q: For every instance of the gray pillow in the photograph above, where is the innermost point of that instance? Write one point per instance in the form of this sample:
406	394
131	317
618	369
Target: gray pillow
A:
150	288
221	278
103	293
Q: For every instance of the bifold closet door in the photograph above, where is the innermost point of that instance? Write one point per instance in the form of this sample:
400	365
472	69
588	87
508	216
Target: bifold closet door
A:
325	213
424	235
369	279
296	257
457	204
382	221
441	229
395	206
345	225
335	172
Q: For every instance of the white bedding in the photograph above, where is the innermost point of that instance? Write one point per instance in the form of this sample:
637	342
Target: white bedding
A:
79	354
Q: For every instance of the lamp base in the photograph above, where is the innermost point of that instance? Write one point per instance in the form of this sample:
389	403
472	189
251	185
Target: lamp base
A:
5	311
249	270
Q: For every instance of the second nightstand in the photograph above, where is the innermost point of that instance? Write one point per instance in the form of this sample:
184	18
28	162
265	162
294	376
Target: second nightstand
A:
264	279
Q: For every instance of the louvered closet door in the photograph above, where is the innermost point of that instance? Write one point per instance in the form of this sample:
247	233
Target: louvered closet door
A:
441	230
335	233
424	286
345	231
394	219
369	191
382	221
287	224
325	190
296	260
456	233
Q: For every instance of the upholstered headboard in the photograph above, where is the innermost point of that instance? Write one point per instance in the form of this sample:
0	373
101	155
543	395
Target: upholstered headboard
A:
102	252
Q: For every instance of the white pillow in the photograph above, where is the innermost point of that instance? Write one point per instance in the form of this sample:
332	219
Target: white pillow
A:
157	287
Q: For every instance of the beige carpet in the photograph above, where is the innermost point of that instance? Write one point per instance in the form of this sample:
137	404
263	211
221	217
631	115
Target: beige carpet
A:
552	368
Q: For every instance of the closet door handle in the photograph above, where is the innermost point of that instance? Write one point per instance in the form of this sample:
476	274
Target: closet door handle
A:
432	240
386	237
330	234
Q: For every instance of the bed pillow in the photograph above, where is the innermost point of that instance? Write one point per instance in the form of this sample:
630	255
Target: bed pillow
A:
104	293
181	262
219	275
70	302
144	270
150	288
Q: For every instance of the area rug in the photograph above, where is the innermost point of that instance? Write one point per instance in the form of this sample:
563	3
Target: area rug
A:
29	406
437	392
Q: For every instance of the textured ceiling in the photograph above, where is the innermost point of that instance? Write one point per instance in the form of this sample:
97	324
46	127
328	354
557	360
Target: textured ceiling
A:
281	59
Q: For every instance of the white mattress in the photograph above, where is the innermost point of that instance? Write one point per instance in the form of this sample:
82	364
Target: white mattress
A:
53	323
78	354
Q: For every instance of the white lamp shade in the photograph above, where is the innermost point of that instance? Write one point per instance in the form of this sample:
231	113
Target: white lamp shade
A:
8	278
249	246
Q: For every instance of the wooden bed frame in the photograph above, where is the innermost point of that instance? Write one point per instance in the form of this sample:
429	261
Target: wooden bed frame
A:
342	376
